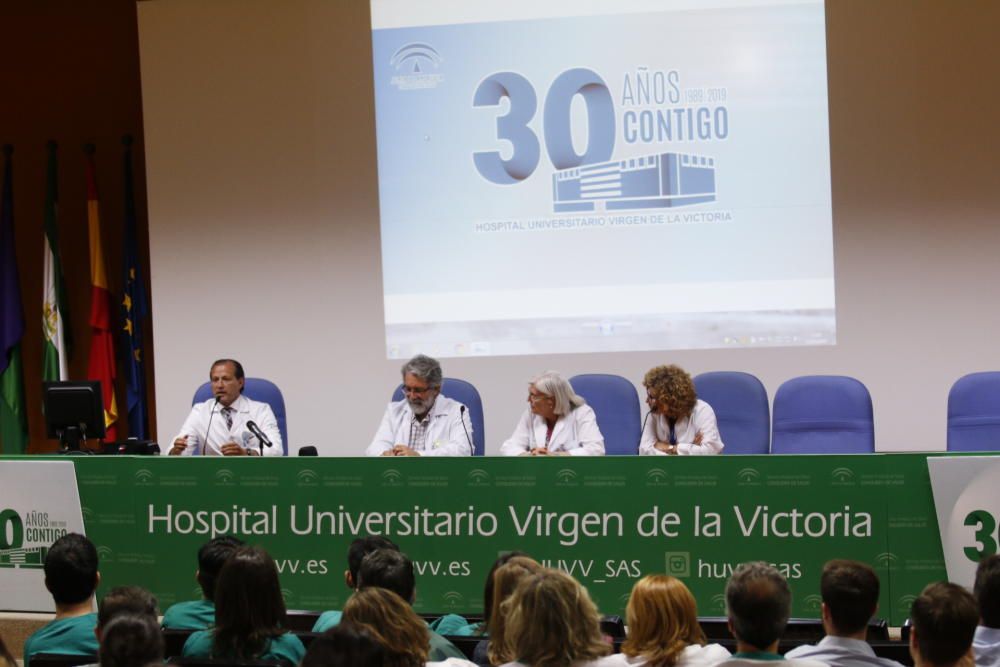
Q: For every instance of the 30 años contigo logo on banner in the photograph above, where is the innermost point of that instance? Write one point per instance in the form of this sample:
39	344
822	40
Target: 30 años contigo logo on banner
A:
24	541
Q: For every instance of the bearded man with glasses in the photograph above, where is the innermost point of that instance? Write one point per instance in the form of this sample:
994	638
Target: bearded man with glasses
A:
424	423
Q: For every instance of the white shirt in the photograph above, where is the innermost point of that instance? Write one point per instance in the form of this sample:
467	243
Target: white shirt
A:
451	662
986	646
842	652
692	656
244	410
702	419
446	435
575	433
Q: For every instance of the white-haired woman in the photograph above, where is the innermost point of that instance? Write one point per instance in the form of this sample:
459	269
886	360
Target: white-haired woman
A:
557	422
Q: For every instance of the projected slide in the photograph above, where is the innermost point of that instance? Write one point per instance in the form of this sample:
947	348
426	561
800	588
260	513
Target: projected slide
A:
602	176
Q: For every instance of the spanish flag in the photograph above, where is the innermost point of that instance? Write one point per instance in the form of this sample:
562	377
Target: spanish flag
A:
102	346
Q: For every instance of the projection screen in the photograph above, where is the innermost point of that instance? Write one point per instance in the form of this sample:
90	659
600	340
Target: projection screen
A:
602	176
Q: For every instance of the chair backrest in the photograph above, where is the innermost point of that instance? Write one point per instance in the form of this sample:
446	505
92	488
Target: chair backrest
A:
823	414
466	394
741	410
257	389
974	413
616	404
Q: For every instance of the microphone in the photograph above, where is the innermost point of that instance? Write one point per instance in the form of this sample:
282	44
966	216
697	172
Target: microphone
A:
264	440
643	429
211	415
461	416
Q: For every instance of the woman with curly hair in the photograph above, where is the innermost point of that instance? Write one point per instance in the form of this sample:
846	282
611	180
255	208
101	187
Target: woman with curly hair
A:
392	623
681	423
249	614
663	629
552	622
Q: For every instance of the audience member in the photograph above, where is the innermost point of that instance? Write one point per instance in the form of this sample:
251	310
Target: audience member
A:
394	625
944	619
758	603
200	614
359	548
850	599
393	570
131	640
551	621
124	600
345	645
249	614
662	619
986	643
71	577
505	582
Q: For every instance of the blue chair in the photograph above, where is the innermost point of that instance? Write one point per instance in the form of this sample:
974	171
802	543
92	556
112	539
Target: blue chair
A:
616	404
466	394
257	389
823	414
741	410
974	413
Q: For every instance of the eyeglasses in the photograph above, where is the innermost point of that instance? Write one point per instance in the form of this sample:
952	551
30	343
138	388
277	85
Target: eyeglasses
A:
536	397
416	390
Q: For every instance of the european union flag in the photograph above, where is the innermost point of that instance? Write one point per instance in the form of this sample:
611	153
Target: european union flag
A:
134	311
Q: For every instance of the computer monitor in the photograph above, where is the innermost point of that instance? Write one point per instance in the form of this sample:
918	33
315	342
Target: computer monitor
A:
74	411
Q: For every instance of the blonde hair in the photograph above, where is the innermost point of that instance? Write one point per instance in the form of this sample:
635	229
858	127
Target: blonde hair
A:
552	622
392	623
505	581
662	620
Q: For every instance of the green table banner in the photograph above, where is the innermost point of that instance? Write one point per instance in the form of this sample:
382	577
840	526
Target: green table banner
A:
607	521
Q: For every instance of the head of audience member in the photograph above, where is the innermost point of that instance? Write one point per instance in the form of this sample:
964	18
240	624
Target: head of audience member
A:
6	657
944	619
422	379
249	608
662	617
987	590
393	624
551	620
344	645
758	602
488	586
850	597
390	569
356	553
71	574
505	581
131	640
670	391
121	601
226	377
551	396
211	557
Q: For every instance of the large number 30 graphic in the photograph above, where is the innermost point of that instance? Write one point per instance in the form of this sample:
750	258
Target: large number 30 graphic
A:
513	126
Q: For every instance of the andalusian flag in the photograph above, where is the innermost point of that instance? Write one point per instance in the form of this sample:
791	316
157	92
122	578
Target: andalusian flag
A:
102	345
13	418
54	313
133	312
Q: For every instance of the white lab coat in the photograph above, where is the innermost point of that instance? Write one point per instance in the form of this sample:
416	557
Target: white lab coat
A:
575	433
446	435
702	419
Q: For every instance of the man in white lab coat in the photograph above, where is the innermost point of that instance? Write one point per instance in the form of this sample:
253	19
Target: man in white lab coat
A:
424	423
